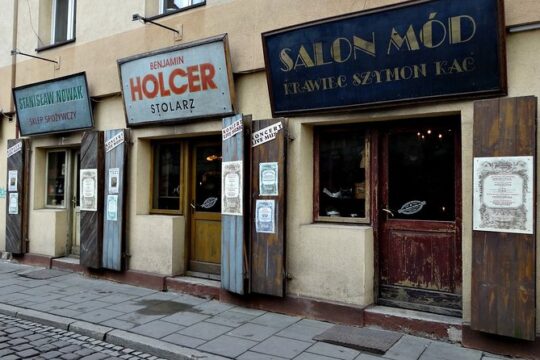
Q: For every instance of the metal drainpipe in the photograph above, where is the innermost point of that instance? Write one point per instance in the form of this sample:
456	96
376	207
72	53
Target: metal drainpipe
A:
14	61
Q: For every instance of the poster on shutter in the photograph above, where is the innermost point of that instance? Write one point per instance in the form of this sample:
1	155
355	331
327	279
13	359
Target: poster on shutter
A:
88	186
268	179
12	180
112	207
13	203
503	194
232	188
114	180
265	216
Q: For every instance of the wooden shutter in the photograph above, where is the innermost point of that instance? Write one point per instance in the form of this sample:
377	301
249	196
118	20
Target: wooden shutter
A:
268	249
503	264
16	195
92	154
114	219
234	228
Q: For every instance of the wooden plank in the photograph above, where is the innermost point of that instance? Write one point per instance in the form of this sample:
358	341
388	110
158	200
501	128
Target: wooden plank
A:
268	249
114	214
16	223
234	228
503	265
92	157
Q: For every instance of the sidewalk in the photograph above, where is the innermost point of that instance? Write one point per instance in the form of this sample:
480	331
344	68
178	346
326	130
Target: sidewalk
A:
179	326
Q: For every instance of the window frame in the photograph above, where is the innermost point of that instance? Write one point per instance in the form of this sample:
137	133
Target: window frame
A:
67	181
317	218
182	193
70	36
162	13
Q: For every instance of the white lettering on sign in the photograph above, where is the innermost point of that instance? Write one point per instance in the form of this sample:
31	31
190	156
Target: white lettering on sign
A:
14	149
232	130
114	141
266	134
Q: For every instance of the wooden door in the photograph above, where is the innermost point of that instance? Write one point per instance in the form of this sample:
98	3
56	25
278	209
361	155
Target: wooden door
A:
420	241
205	207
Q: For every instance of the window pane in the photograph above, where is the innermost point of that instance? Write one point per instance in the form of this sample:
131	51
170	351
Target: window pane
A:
422	174
56	180
174	5
208	186
342	174
61	21
166	194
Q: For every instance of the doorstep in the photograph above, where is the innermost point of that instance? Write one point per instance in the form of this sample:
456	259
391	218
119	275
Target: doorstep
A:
417	323
206	288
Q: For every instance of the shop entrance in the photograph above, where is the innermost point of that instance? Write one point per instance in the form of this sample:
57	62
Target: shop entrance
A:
205	208
75	212
420	216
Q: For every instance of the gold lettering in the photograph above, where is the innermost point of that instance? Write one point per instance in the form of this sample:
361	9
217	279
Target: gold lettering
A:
319	54
364	45
456	35
336	50
426	34
286	60
303	58
409	39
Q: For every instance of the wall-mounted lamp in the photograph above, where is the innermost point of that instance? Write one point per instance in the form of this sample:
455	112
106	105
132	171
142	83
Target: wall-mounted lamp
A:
138	17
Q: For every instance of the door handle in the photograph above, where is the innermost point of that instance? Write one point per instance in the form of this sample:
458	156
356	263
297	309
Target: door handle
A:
192	204
388	211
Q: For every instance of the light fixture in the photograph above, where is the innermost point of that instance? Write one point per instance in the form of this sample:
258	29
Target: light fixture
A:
138	17
17	52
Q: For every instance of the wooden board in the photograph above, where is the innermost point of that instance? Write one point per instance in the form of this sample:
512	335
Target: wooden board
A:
92	157
235	228
114	229
268	249
503	264
17	224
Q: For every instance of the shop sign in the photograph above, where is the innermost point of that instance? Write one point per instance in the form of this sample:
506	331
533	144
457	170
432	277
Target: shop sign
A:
54	106
177	84
423	50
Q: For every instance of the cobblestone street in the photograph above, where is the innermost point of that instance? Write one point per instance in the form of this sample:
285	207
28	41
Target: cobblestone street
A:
21	339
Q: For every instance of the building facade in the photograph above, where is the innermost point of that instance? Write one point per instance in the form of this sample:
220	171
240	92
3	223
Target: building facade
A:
379	203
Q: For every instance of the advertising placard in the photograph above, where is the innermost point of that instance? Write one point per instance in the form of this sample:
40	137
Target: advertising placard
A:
503	194
54	106
173	85
88	188
232	173
419	50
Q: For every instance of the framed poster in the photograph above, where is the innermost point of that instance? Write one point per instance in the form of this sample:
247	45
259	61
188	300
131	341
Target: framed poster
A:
268	179
265	219
503	194
88	188
114	180
12	180
112	207
232	187
13	203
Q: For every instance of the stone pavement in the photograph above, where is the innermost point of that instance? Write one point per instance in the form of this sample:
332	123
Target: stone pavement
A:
22	339
179	326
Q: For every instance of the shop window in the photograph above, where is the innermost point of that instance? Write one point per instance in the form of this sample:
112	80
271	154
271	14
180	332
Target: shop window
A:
56	179
158	8
56	23
166	183
341	175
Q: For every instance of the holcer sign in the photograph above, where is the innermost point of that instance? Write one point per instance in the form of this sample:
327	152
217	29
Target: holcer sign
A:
54	106
418	50
177	84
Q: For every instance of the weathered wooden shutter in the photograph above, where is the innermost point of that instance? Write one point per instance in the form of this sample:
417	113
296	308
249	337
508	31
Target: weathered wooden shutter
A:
269	145
234	228
503	264
116	147
92	154
16	195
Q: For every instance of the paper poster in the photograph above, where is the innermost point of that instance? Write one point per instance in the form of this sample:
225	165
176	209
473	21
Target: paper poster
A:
503	194
265	134
231	130
88	186
112	207
232	188
265	216
268	179
114	141
114	180
13	203
12	180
